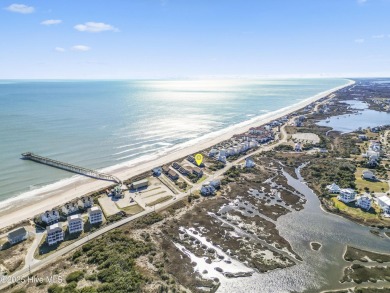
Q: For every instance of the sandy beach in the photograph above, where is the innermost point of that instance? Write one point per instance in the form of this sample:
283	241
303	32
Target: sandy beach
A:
78	186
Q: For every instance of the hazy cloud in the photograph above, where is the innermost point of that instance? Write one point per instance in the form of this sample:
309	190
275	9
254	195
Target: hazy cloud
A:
378	36
359	41
95	27
59	49
51	21
80	48
361	1
20	8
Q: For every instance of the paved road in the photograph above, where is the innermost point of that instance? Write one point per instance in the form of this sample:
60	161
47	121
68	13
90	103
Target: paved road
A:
32	265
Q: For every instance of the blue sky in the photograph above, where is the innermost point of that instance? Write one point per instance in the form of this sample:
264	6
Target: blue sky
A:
194	38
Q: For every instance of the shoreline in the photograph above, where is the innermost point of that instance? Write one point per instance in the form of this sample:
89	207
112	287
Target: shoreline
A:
59	193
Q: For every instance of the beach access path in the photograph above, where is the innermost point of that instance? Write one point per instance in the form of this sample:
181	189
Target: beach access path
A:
36	265
51	196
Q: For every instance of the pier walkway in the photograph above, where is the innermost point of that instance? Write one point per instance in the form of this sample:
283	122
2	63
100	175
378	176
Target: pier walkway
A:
70	167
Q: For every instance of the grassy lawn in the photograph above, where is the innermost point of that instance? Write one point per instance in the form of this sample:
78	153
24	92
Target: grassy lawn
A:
132	210
372	185
354	211
160	200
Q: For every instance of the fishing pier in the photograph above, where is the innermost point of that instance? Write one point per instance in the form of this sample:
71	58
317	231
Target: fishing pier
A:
70	167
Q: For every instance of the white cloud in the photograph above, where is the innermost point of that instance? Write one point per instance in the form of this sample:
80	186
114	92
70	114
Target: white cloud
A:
51	21
359	41
80	48
59	49
95	27
20	8
378	36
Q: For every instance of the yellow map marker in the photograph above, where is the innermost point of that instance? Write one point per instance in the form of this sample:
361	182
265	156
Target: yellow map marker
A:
198	159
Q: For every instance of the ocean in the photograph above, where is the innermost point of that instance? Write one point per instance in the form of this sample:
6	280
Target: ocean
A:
100	124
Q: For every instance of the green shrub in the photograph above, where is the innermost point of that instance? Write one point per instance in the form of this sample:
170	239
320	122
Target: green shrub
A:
74	276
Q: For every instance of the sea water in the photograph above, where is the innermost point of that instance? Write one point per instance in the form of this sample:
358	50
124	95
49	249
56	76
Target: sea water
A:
98	124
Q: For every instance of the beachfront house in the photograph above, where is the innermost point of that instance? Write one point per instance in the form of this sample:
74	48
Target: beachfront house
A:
173	175
368	175
95	215
144	183
85	202
257	130
70	208
50	217
157	171
253	144
55	234
17	235
176	165
249	163
222	152
166	169
191	159
213	152
384	203
75	224
364	202
347	195
333	188
222	158
116	192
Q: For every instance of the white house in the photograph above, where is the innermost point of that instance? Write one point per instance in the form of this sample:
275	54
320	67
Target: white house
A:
372	155
298	147
364	202
384	202
95	215
257	130
70	208
17	235
368	175
50	217
222	152
249	163
85	202
347	195
207	189
333	188
157	171
75	224
54	234
216	183
222	158
213	152
253	144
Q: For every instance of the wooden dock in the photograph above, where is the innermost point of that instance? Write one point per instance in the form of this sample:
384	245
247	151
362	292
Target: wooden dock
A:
70	167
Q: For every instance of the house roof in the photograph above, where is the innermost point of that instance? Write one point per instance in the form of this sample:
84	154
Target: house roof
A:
333	186
17	232
385	199
143	181
74	217
172	173
54	226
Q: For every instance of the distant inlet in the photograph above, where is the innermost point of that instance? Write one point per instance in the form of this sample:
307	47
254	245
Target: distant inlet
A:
70	167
